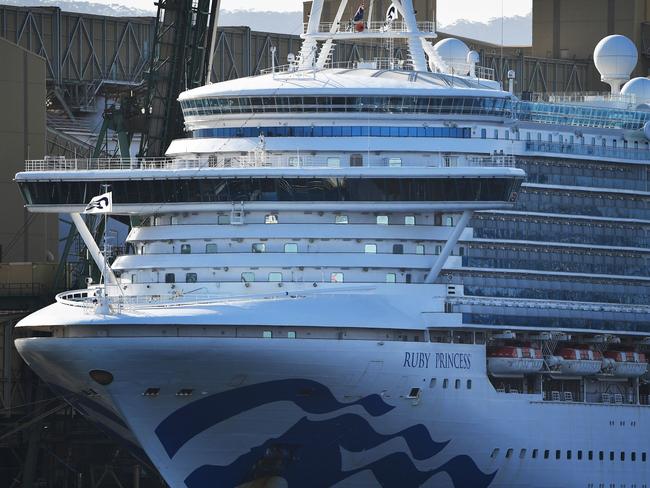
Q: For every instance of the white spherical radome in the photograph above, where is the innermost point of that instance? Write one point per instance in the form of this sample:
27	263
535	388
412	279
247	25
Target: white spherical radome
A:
615	57
454	53
639	88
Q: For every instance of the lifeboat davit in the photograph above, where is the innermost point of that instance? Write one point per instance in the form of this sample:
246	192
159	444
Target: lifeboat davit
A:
627	364
514	360
576	362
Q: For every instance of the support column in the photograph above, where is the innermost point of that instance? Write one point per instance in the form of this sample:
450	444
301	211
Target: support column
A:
416	50
7	350
449	246
310	46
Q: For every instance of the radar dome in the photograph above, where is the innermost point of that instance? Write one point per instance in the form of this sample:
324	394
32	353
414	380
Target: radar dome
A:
453	52
615	58
639	88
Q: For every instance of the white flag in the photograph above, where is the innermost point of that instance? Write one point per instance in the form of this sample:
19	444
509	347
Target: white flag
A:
391	14
100	204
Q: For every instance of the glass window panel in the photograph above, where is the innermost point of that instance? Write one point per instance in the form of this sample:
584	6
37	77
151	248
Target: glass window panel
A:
210	248
190	277
336	278
370	248
291	247
258	247
275	277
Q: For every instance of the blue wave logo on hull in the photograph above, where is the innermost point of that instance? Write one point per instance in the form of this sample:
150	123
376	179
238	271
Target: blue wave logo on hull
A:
309	453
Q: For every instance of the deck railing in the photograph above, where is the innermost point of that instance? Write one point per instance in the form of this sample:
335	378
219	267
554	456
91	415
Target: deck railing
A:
260	160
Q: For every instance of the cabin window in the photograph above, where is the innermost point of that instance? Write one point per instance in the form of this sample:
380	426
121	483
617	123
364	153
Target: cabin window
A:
590	455
271	219
558	454
394	162
461	251
643	457
438	250
336	278
275	277
291	334
445	383
495	453
267	334
248	277
432	383
223	219
409	220
522	454
535	452
483	133
407	278
568	454
186	249
469	384
633	456
370	248
382	219
258	247
391	278
170	278
133	279
356	160
601	455
341	219
579	455
398	248
419	249
611	455
622	455
457	384
449	221
507	135
210	248
547	453
291	247
496	133
509	453
190	278
414	393
333	162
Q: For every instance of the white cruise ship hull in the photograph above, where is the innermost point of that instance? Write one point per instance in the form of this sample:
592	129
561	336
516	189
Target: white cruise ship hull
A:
300	412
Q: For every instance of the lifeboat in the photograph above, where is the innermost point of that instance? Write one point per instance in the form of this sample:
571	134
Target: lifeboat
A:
514	360
576	362
627	364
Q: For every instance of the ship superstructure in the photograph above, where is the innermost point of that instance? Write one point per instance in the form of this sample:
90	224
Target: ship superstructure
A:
341	278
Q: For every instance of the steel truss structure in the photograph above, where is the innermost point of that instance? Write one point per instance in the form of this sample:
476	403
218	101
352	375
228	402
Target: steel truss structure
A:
83	53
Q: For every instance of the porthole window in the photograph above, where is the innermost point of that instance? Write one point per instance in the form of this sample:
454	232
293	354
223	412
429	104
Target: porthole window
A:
633	456
643	457
535	453
186	249
601	455
547	453
370	248
291	247
275	277
622	455
336	278
432	383
469	384
568	454
190	278
590	455
341	219
522	454
258	247
611	455
248	277
579	455
495	453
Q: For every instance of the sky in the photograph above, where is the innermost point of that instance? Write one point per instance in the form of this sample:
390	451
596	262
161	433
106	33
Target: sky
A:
448	10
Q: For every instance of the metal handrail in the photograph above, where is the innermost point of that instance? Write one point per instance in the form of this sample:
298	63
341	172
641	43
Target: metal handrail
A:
252	160
396	26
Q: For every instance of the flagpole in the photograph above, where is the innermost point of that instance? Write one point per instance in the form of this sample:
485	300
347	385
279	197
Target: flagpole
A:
105	188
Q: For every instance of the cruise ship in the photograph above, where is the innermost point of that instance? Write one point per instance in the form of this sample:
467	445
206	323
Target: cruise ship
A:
380	273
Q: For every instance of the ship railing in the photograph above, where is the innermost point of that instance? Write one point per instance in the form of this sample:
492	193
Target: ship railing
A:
393	64
548	304
259	160
587	97
396	26
588	150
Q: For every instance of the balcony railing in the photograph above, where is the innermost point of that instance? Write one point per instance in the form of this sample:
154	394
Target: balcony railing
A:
263	160
588	150
395	27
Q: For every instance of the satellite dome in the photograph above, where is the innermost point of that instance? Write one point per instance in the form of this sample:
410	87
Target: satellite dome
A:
615	58
453	52
639	88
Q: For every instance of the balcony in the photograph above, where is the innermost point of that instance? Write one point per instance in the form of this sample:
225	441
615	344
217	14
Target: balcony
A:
588	150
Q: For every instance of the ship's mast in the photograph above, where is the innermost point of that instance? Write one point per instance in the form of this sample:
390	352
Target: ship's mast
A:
415	34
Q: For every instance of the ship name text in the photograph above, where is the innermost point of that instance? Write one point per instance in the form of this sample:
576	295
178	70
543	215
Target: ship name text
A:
440	360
